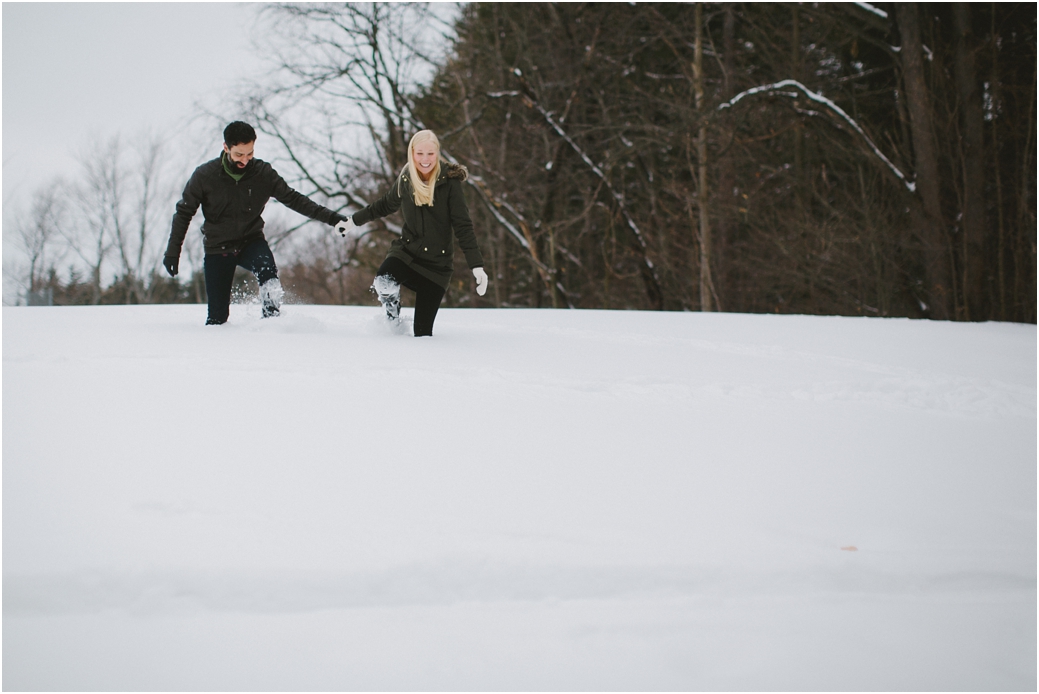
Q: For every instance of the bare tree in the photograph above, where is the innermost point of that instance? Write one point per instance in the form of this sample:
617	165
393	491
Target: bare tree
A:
347	75
121	215
929	218
342	76
94	233
703	191
36	233
972	155
144	241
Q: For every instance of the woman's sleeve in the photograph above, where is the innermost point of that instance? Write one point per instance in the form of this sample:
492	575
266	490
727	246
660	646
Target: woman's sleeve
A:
463	225
384	206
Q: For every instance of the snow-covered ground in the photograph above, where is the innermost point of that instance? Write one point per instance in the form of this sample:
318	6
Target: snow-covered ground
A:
529	500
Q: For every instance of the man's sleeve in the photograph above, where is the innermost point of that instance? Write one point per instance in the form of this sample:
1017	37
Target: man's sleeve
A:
299	202
186	209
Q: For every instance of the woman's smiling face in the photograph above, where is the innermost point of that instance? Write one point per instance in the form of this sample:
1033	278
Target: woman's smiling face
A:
425	158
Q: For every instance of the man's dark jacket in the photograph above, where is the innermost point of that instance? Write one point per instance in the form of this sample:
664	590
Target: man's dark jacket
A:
232	208
426	244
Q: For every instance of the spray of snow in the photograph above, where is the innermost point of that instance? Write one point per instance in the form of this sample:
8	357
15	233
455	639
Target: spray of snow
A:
272	293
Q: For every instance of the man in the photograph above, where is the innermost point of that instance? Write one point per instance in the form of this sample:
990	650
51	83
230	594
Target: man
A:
233	190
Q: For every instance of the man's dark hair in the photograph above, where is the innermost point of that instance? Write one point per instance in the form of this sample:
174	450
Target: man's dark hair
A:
238	133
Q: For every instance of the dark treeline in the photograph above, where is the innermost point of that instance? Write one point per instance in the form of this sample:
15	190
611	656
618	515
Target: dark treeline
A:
888	169
791	158
76	290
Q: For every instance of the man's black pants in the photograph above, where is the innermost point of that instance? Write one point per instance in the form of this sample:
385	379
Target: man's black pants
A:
428	294
220	267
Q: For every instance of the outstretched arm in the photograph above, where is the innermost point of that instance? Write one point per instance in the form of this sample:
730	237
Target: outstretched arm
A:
386	205
299	202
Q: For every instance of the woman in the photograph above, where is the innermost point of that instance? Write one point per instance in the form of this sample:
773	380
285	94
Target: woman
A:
429	192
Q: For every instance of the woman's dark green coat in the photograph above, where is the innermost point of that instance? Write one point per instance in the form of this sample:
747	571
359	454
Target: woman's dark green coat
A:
426	242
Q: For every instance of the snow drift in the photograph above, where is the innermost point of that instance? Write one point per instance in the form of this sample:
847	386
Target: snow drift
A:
528	500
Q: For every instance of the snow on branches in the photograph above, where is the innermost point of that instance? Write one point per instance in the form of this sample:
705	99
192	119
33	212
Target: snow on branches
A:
828	103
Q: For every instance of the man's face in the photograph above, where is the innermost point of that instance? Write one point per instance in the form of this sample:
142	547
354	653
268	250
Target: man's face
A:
240	154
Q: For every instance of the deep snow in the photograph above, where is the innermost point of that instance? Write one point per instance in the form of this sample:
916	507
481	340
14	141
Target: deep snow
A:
529	500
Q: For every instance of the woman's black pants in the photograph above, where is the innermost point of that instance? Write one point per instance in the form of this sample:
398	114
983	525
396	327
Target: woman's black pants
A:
219	269
428	294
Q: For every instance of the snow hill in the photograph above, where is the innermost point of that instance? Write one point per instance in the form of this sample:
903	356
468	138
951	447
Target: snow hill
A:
529	500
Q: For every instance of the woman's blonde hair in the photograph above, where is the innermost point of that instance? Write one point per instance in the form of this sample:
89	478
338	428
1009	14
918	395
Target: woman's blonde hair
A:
423	190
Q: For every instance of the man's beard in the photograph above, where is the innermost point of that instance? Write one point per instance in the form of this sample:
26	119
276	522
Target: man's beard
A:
234	165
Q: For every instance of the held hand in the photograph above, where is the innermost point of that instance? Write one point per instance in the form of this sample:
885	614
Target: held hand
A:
347	228
481	280
172	264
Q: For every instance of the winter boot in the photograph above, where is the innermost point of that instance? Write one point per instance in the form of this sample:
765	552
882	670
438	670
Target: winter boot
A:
271	295
388	291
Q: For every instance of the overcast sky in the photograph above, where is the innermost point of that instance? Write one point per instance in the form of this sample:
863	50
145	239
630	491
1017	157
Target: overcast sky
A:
76	70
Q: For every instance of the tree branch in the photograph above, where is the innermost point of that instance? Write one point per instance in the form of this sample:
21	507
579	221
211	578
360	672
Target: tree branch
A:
820	99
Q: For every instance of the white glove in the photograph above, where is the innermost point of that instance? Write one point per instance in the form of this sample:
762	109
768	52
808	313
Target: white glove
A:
347	228
481	280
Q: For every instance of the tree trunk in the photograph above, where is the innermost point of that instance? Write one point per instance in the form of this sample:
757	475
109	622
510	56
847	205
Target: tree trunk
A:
723	209
548	214
706	285
928	218
1025	257
973	119
798	135
997	169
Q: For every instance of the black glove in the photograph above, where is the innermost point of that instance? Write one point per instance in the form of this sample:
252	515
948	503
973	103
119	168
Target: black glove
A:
172	264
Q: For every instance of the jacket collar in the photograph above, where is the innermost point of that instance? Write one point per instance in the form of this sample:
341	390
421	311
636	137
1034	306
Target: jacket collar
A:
249	170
